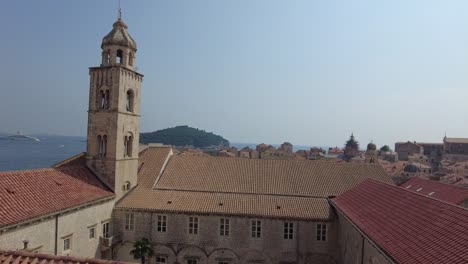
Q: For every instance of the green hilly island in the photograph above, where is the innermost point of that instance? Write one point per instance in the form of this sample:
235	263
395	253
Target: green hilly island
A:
184	136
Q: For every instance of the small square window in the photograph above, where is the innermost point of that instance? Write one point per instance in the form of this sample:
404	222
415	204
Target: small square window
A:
193	225
129	221
161	260
321	232
288	230
162	223
256	228
67	244
92	232
192	261
224	227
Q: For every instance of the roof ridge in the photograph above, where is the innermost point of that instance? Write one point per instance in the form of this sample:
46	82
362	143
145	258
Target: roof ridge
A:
72	158
413	193
27	170
240	193
283	160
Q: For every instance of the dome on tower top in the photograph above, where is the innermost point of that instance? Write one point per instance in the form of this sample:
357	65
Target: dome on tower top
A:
371	146
119	36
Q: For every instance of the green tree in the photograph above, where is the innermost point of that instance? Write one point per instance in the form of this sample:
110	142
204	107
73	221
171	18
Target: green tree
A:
385	148
142	249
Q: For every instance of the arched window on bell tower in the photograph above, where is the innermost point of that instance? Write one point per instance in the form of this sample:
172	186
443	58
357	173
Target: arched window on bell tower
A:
131	57
102	145
119	58
103	99
130	100
128	145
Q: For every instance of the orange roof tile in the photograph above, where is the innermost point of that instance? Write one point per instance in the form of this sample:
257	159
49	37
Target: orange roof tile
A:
23	257
260	176
28	194
409	227
227	204
151	162
445	192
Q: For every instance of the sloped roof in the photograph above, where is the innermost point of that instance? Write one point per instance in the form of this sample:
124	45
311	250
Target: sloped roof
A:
456	140
228	204
261	176
23	257
151	162
445	192
408	226
198	184
27	194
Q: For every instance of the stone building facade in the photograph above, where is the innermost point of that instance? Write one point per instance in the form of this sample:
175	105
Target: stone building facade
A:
407	149
248	240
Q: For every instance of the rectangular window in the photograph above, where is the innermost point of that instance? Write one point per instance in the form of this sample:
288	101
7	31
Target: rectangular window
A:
92	232
129	221
288	231
67	244
162	223
224	227
321	232
105	230
192	261
193	225
161	260
256	228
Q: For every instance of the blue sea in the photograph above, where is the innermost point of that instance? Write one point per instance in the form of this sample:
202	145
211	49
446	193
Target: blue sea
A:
21	154
25	154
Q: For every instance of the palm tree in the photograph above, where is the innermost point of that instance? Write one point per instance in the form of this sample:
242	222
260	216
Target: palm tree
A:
142	249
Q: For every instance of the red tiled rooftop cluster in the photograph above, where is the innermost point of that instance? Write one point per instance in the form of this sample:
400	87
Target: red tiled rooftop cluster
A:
408	226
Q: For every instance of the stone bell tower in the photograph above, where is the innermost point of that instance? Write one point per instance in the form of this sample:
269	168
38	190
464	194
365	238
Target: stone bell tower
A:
114	112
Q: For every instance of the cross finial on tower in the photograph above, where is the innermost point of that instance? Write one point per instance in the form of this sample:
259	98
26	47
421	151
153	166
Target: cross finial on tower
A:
120	11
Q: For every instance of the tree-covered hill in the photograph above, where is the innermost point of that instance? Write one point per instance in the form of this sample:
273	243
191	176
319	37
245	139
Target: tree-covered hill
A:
184	136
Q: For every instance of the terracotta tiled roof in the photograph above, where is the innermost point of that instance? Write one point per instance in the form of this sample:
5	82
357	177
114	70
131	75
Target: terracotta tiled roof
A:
445	192
456	140
227	204
31	193
257	176
151	162
77	160
22	257
408	226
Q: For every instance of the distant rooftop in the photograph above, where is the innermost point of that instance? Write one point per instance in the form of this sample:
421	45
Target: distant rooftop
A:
409	227
445	192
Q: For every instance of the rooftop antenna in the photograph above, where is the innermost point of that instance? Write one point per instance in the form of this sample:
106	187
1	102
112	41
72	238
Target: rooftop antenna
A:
120	12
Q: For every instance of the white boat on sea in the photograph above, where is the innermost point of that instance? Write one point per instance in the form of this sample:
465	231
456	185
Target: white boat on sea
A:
19	136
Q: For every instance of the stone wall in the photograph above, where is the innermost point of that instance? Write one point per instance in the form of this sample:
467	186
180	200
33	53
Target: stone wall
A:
42	234
239	247
354	248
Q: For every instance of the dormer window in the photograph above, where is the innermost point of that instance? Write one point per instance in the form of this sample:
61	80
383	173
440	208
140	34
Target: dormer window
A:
130	97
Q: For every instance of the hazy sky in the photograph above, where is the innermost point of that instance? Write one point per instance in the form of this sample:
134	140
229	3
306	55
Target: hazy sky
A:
308	72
